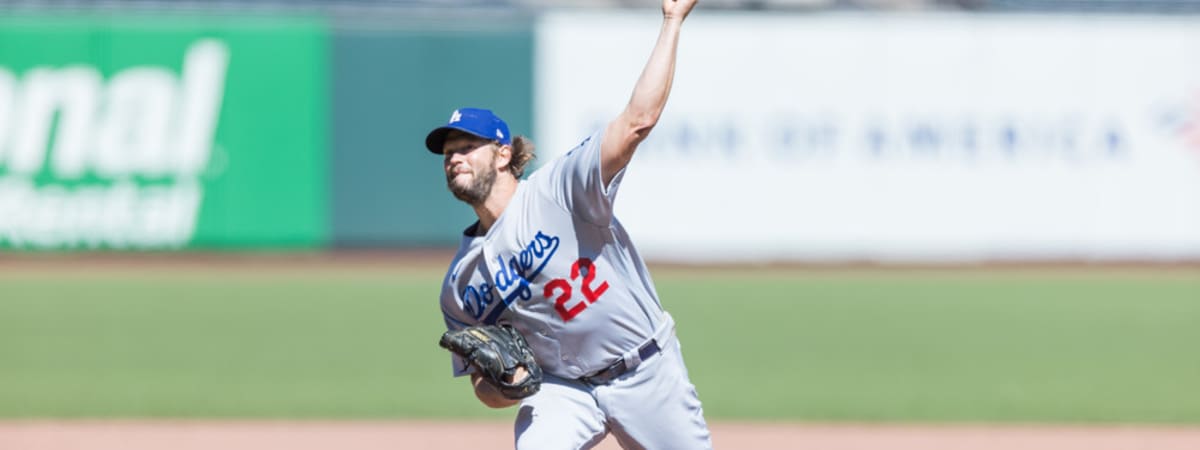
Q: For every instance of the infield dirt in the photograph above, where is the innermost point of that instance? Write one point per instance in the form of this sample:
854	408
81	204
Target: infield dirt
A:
212	435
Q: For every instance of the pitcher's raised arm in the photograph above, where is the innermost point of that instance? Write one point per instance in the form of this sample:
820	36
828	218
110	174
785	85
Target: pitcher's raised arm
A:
624	133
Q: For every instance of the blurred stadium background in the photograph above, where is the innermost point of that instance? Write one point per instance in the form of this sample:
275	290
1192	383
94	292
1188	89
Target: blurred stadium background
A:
872	211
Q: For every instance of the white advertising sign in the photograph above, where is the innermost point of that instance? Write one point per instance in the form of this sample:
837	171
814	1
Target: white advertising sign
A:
895	138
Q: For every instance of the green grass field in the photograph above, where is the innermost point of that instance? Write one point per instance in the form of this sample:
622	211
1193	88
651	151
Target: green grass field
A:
1061	346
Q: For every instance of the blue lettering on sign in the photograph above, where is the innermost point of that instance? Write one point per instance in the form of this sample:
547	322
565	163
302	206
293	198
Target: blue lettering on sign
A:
876	140
1000	137
924	140
804	139
1115	144
512	276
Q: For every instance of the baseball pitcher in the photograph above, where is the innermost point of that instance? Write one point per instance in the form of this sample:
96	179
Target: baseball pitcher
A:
547	302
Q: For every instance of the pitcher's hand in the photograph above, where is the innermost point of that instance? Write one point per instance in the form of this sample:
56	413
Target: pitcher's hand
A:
677	9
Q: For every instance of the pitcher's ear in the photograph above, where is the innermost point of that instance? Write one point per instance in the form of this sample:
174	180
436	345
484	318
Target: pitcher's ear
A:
505	155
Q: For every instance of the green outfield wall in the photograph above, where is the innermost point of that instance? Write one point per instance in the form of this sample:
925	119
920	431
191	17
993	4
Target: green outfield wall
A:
391	85
151	132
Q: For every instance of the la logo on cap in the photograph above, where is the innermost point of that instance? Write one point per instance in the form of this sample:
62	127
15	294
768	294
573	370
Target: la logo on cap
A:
457	116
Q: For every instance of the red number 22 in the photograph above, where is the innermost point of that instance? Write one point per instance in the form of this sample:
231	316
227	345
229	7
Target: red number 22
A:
589	274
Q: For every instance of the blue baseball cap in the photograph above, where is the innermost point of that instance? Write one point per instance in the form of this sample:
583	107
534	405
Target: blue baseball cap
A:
479	122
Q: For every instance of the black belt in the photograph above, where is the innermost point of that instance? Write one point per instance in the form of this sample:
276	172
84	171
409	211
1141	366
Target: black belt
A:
612	372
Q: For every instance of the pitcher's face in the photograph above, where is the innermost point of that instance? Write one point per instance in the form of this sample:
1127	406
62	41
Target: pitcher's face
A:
470	165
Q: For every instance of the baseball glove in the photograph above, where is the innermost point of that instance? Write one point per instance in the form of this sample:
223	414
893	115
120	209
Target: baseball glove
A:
496	351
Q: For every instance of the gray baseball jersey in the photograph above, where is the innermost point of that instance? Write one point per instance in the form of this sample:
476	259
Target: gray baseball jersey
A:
561	269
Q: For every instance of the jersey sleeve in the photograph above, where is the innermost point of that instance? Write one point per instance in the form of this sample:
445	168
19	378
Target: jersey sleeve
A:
576	182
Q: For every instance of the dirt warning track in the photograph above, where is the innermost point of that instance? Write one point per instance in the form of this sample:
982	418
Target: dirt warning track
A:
449	435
